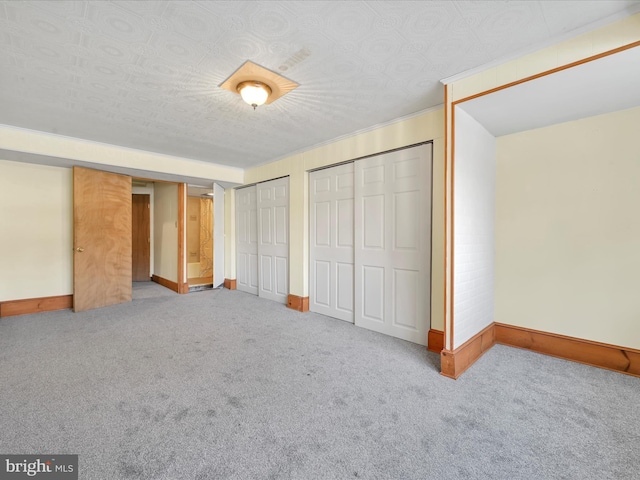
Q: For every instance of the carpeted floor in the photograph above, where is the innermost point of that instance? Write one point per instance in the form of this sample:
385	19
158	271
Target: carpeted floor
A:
220	384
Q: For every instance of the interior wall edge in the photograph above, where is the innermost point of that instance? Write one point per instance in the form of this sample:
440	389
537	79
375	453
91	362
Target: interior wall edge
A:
455	362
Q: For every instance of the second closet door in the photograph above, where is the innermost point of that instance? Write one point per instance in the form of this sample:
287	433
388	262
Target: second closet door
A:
247	240
392	243
273	239
331	235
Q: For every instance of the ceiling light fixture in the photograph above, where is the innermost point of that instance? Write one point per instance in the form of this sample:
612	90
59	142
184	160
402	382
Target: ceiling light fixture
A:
257	85
253	92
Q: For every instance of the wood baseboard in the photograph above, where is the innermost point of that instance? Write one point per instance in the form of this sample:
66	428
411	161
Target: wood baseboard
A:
200	281
454	363
301	304
10	308
435	341
611	357
230	283
166	283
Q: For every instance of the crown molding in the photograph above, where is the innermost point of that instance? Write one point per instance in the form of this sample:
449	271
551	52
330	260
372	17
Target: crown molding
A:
353	134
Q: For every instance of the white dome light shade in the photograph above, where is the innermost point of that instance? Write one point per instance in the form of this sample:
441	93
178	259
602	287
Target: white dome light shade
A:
254	93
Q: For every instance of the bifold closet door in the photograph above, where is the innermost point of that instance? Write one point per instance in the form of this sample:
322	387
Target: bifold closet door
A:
247	240
273	239
331	252
218	235
393	243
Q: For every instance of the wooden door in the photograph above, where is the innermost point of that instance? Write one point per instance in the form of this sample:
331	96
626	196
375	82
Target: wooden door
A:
247	240
101	239
393	243
331	279
273	239
141	237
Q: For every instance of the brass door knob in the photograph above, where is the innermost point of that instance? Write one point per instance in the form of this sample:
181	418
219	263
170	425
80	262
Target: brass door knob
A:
79	249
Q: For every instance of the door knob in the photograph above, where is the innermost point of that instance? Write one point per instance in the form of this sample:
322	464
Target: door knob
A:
79	249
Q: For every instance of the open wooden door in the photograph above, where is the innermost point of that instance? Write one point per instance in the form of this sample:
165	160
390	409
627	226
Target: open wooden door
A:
101	239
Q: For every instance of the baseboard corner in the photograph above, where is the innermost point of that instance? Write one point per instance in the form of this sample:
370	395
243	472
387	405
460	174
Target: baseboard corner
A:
230	283
435	341
166	283
300	304
454	363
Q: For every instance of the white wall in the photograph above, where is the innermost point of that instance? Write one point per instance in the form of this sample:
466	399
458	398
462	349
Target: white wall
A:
165	219
36	231
474	222
568	229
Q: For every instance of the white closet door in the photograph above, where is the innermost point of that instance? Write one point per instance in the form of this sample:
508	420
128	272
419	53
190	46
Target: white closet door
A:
273	239
218	235
247	240
331	241
392	243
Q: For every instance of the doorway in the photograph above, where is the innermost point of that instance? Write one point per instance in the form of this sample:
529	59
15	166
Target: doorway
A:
141	237
200	240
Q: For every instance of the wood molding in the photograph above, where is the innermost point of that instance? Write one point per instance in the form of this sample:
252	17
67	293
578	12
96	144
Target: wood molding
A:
10	308
165	283
230	283
551	71
454	363
301	304
435	341
446	165
452	227
611	357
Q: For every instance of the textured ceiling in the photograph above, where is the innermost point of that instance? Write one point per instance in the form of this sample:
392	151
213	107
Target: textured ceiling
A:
145	75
